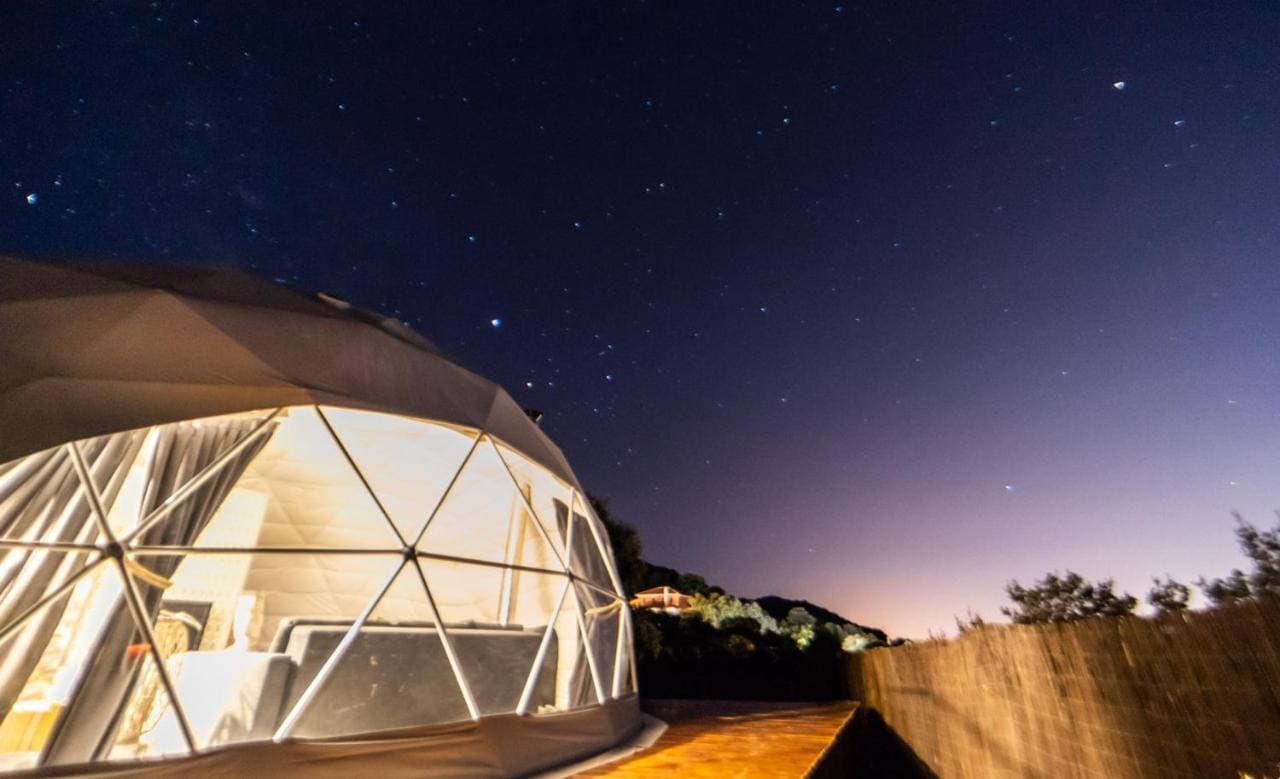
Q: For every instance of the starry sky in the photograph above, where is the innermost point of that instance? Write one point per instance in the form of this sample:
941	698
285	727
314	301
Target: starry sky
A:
874	304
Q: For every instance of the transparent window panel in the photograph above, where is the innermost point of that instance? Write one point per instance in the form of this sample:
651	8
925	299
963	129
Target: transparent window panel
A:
497	625
535	606
602	614
465	593
603	550
408	463
547	494
41	499
144	726
242	635
110	689
299	491
29	575
569	647
166	467
485	518
627	644
394	673
585	558
580	679
45	652
126	506
530	548
503	659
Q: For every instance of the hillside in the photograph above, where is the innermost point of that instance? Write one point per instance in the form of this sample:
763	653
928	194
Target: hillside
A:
638	574
777	607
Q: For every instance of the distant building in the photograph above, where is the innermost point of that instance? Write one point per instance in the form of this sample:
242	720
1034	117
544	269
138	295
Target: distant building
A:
666	599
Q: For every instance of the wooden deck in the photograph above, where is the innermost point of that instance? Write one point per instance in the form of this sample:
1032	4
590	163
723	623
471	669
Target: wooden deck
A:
734	739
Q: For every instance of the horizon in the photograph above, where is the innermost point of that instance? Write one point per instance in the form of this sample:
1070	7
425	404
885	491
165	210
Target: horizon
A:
870	306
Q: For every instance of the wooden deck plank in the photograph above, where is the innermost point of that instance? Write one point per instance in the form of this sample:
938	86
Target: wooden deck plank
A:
734	739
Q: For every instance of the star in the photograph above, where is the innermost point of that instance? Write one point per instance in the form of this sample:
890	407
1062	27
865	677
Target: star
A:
1119	86
495	323
32	198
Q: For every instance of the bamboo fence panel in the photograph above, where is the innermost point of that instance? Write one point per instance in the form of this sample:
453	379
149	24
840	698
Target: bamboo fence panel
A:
1195	695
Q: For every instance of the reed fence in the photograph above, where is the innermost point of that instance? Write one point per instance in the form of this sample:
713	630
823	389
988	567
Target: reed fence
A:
1194	695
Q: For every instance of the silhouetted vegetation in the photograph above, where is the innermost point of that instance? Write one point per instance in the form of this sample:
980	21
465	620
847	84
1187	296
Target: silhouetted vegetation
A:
1169	596
687	657
628	549
635	572
778	608
1071	597
1262	547
726	647
972	621
1229	589
688	583
1066	599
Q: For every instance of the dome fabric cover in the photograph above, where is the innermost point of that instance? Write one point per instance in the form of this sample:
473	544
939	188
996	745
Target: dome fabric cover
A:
244	529
88	350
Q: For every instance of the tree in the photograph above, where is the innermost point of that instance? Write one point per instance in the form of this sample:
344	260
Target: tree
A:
725	611
852	643
1066	599
799	616
688	583
1262	547
800	625
628	550
694	583
648	642
1168	596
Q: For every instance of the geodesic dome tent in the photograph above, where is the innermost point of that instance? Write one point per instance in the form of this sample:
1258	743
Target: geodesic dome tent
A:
242	526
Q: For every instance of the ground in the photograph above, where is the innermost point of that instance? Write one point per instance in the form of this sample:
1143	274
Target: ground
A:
735	739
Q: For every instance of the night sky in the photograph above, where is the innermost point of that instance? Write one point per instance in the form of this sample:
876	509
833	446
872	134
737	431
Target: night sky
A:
872	304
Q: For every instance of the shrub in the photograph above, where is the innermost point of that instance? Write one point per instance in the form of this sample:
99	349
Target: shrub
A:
720	610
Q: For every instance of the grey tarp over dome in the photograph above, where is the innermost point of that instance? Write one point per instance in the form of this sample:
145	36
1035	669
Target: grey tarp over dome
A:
243	527
88	350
